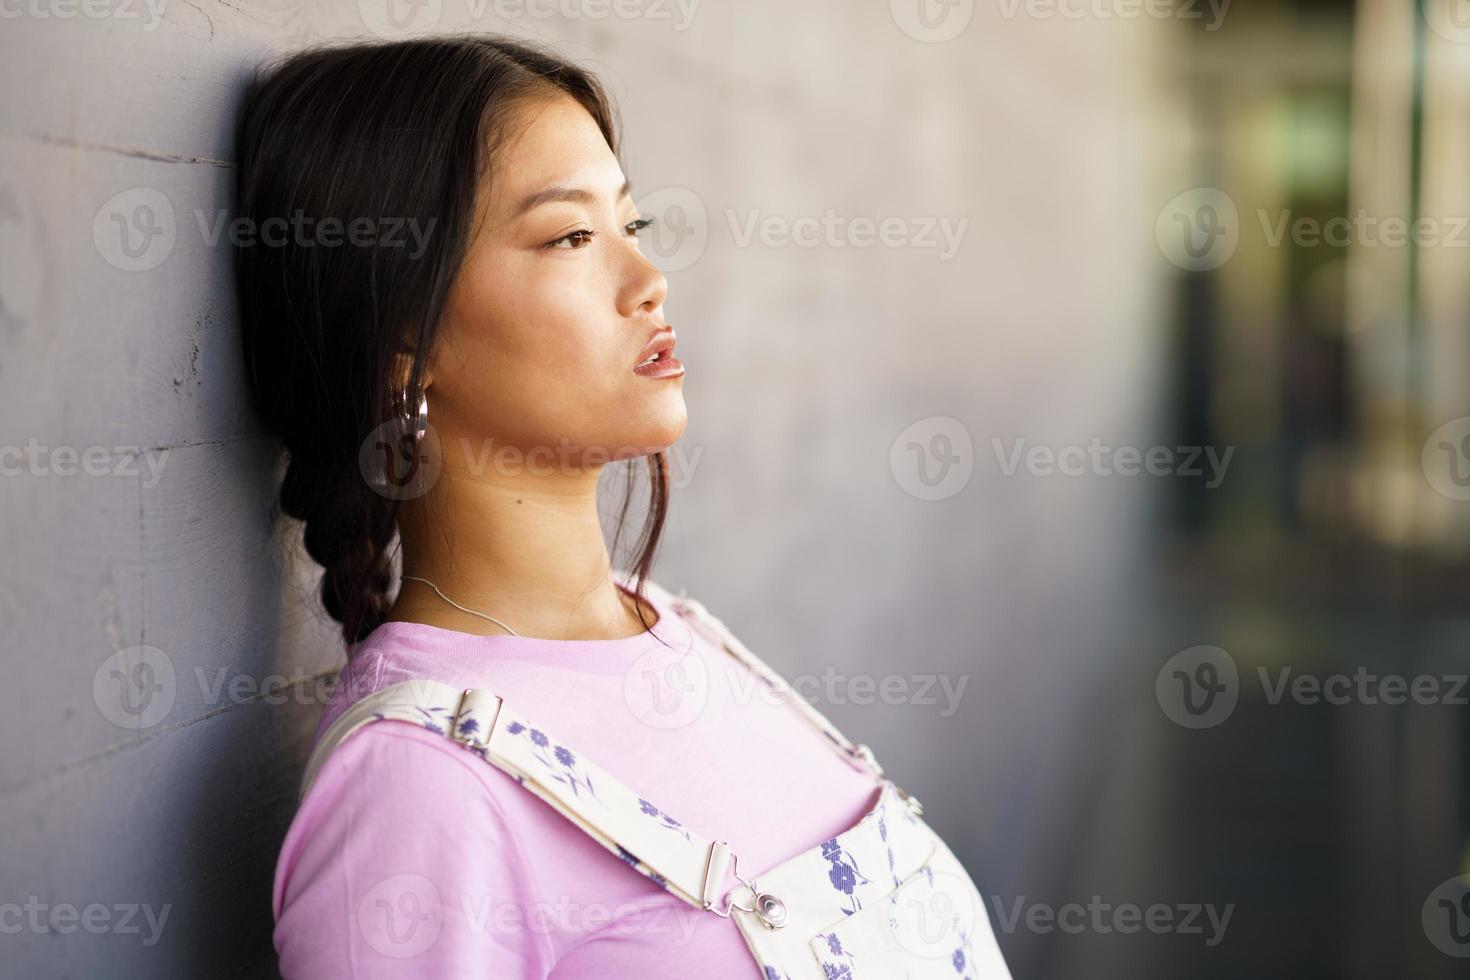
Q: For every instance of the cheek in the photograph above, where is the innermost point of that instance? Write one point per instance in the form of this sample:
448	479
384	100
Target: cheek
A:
553	316
541	356
561	331
524	317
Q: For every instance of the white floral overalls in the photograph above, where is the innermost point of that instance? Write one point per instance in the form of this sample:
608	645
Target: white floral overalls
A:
883	900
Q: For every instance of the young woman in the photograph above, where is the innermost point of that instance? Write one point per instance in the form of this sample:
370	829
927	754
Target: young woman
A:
535	765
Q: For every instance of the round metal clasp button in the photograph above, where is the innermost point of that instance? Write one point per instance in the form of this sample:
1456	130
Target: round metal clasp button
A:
771	910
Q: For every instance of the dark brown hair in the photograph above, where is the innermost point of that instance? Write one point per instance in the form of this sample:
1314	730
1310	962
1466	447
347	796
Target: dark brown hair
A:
387	131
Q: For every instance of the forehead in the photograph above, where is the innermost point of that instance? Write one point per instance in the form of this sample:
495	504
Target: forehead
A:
551	141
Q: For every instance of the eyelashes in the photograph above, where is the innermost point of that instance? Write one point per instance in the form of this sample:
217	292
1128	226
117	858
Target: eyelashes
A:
582	236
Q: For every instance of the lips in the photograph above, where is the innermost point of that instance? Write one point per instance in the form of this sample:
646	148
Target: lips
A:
659	345
657	360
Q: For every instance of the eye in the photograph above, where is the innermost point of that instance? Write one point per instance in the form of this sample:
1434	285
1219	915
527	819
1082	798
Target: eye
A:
580	237
634	227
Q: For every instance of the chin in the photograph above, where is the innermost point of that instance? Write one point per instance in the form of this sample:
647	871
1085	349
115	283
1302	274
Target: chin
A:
657	431
666	436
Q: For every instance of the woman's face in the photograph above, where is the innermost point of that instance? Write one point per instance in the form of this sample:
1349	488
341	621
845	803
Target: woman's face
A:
552	308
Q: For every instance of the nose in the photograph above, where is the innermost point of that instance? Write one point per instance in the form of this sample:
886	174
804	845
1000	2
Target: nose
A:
644	286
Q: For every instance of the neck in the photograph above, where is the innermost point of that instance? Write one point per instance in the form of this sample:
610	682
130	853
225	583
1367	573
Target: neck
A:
525	548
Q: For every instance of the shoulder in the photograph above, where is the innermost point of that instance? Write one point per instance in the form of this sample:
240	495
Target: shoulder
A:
399	817
392	786
389	756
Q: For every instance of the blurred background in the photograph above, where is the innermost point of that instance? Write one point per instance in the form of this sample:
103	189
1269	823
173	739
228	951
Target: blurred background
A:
1098	369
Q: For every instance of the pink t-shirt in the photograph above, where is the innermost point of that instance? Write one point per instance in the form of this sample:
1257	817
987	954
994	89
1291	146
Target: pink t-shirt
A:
412	857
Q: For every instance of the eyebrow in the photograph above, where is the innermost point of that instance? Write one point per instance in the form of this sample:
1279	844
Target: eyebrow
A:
549	194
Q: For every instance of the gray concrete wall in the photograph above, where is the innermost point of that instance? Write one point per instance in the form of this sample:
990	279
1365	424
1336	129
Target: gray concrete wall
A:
151	613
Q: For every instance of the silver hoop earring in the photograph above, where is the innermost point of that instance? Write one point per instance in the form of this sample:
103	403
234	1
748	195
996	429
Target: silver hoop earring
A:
421	421
418	423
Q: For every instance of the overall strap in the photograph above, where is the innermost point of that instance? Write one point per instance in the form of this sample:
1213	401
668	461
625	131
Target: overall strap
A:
632	828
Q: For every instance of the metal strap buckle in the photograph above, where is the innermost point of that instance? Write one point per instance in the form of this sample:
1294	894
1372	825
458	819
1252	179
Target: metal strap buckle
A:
479	736
768	908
